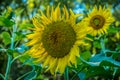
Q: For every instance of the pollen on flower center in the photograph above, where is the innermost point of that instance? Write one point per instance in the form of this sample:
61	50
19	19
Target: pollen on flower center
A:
58	38
97	22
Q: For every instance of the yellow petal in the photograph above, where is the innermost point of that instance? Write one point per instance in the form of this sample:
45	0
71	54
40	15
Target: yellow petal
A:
73	60
37	23
64	62
52	65
38	53
48	12
32	42
47	61
35	35
42	57
58	13
66	13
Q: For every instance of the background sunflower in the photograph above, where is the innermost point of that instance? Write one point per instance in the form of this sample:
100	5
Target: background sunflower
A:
98	20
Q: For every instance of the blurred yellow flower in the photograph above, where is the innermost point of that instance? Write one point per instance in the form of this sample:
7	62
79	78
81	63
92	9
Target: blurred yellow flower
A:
55	39
98	20
8	12
117	23
31	5
117	35
9	9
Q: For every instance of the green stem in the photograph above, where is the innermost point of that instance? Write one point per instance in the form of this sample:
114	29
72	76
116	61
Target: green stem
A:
8	67
3	50
23	75
9	55
73	78
26	74
66	74
16	58
13	37
115	70
2	76
103	46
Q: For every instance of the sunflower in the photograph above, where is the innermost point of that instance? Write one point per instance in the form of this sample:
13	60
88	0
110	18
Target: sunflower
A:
55	39
98	20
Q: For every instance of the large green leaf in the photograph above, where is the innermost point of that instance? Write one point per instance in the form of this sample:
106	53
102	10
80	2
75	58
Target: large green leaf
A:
98	71
107	63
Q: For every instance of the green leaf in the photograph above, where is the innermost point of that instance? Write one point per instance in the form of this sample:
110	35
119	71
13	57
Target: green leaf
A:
25	25
116	56
113	30
96	44
107	63
6	38
112	61
86	55
118	47
90	36
98	71
18	11
6	22
23	58
10	52
19	36
117	72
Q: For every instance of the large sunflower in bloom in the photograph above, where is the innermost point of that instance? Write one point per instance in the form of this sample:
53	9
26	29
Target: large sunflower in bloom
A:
55	39
98	20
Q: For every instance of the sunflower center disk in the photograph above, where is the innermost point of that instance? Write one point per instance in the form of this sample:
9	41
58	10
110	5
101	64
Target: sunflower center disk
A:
58	38
97	21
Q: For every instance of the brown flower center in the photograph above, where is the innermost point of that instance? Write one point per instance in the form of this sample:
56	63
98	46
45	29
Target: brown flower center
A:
58	38
97	22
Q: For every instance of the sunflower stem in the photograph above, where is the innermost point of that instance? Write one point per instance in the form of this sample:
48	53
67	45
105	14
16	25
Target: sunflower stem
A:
9	54
8	67
26	74
76	73
16	58
66	74
13	37
1	76
103	46
23	75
